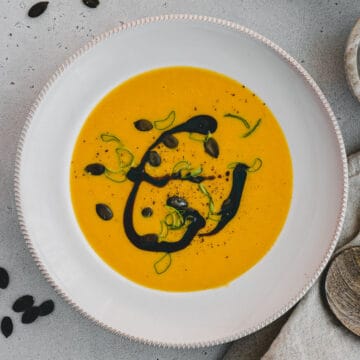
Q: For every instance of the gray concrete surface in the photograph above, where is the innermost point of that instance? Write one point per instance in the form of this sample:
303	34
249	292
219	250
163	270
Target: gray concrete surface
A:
314	32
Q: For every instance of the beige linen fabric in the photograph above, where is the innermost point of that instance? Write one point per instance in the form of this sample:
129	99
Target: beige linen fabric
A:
311	332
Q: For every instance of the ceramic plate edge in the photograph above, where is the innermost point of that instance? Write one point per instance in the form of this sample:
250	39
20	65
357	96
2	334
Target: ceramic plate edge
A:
227	24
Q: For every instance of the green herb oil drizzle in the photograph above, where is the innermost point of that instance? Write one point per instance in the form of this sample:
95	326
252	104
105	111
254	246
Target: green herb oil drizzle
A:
163	263
165	123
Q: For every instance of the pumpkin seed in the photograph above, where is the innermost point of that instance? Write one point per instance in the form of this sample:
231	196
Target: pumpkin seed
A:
177	202
143	125
23	303
104	212
7	326
211	147
30	315
147	212
46	308
154	158
91	3
170	141
95	169
4	278
38	9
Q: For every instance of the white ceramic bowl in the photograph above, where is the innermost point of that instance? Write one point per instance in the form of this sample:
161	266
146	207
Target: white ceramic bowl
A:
201	318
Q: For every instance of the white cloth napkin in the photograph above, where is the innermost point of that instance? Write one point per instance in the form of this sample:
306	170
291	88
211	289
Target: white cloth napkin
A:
312	332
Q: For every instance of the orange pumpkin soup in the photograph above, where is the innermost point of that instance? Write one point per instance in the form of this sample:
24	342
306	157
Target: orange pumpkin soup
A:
181	179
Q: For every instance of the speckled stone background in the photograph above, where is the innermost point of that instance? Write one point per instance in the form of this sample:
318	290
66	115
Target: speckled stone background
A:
314	32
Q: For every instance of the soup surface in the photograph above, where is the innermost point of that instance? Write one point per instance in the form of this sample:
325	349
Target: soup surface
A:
181	179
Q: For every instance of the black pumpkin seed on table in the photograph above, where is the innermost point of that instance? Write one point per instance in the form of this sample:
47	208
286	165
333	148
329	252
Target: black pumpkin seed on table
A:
30	315
91	3
204	228
6	326
23	303
4	278
38	9
46	308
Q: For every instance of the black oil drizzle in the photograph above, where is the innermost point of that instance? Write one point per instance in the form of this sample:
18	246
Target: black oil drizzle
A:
231	205
201	124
